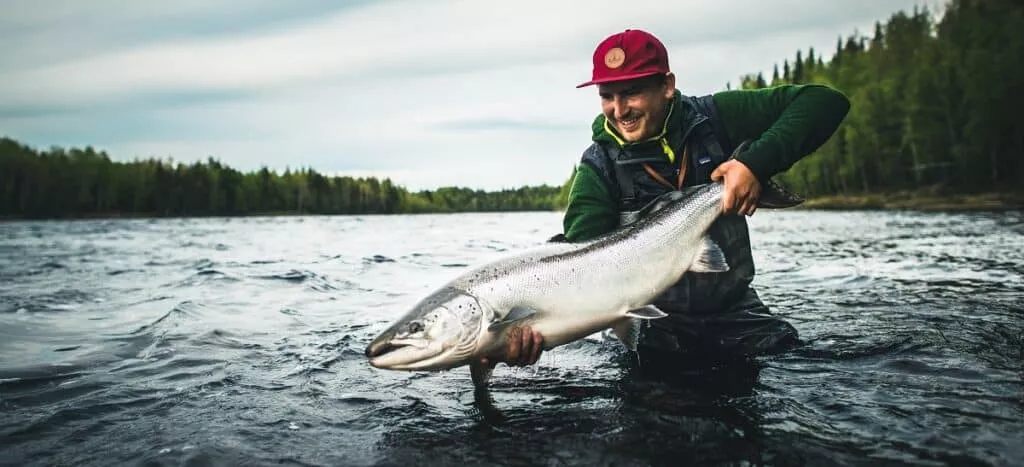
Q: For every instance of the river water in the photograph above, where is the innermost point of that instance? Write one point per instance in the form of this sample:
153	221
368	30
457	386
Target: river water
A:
240	342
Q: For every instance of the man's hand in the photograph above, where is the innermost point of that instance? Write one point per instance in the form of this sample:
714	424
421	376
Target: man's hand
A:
742	188
524	348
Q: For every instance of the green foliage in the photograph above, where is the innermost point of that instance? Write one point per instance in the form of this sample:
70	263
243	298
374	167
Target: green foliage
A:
934	104
82	182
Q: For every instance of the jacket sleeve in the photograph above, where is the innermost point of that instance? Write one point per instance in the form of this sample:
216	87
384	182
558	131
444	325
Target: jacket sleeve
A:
785	123
590	211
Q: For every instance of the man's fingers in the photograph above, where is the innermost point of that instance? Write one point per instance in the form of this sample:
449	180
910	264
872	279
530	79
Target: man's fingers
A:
755	195
536	347
747	206
527	346
514	346
727	200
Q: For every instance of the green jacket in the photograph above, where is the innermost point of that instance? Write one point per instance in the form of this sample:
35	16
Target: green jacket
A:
785	123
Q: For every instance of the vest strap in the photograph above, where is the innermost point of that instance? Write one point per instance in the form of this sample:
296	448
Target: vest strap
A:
682	171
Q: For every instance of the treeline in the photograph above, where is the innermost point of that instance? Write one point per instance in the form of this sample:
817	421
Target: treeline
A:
60	182
935	104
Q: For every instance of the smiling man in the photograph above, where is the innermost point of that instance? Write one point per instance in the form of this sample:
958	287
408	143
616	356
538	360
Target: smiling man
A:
651	138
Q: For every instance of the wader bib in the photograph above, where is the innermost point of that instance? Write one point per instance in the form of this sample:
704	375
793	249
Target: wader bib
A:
712	316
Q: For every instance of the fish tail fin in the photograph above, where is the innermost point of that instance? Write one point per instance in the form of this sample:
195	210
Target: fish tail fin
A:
773	194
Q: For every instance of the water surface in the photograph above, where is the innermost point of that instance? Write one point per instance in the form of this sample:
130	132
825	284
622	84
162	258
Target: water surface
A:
240	341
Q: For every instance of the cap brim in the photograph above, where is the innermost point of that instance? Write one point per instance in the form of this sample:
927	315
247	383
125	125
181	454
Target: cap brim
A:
612	79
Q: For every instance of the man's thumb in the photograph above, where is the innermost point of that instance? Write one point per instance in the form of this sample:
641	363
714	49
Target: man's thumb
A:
716	174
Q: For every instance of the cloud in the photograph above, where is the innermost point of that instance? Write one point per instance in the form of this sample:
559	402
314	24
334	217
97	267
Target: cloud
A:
485	123
448	92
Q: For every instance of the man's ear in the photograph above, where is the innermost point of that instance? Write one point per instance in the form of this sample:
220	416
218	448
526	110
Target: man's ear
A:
670	85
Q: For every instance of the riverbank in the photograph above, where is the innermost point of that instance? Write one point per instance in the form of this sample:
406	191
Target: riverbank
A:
995	201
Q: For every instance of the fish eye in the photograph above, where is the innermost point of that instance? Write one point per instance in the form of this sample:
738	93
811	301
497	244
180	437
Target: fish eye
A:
415	327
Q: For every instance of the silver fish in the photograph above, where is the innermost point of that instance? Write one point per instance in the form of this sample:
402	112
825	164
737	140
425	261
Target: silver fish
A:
564	291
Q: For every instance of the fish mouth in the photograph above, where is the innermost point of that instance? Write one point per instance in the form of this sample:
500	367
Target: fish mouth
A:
377	349
398	354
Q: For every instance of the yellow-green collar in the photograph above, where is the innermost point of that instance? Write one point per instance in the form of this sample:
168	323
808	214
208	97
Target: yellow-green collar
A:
662	137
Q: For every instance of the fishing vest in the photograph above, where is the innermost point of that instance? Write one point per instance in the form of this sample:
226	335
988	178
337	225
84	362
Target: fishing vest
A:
707	146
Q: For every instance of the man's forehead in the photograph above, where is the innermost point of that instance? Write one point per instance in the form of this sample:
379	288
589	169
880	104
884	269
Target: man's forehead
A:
627	85
618	86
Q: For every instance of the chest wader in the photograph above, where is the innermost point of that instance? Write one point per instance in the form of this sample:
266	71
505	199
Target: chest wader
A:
712	316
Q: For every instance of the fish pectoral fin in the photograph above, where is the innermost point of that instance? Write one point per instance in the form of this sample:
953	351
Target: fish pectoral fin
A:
517	313
480	373
647	312
627	331
710	259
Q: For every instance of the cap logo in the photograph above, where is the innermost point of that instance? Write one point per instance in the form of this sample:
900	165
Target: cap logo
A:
614	58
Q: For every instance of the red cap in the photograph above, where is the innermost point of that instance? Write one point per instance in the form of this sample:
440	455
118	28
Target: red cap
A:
627	55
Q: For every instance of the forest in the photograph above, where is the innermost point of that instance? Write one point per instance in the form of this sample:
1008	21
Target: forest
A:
935	105
75	182
935	108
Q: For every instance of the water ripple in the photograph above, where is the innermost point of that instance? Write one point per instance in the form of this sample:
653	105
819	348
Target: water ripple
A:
228	341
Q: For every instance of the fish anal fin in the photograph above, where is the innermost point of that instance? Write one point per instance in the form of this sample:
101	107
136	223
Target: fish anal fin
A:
711	258
647	312
628	332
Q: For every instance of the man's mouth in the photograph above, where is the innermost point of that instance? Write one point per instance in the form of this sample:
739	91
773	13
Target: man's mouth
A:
628	124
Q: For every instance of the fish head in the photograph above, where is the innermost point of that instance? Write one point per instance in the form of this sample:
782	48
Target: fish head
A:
438	333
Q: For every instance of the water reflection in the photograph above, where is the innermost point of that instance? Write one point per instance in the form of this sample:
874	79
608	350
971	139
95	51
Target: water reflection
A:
648	415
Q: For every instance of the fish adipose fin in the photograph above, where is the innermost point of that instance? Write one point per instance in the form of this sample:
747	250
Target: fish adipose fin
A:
710	258
518	313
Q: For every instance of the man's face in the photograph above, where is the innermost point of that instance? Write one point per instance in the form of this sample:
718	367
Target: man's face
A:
637	108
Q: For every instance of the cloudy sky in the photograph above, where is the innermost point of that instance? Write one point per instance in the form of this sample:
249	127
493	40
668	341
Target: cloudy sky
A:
430	93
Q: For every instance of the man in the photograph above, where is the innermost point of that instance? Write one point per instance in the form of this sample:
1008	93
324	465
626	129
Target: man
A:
649	139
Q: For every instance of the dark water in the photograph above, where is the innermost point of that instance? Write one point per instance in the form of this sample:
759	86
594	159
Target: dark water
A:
240	341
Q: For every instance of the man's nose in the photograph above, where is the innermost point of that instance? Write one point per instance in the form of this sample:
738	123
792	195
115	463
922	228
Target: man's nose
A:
619	105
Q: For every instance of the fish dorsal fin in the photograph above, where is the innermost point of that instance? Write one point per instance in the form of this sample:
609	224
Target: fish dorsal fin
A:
667	198
710	258
658	203
517	313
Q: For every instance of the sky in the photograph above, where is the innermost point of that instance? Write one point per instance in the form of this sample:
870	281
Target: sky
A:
433	93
